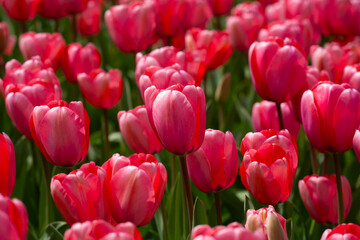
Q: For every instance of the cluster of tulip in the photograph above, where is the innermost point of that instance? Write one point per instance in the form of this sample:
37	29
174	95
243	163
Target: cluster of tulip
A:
177	62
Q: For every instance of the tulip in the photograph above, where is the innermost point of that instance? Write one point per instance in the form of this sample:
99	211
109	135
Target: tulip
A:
13	219
267	2
135	186
233	231
7	41
136	130
131	27
78	59
269	165
244	25
99	229
221	7
48	46
51	9
304	9
278	69
343	231
275	12
73	6
356	143
59	147
319	196
199	13
88	21
8	166
81	195
352	76
178	116
20	10
264	116
331	114
215	165
101	89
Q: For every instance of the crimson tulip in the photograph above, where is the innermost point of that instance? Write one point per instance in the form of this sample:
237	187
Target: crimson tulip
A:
7	41
135	187
88	21
136	130
8	166
356	143
59	147
343	231
198	14
221	7
51	9
352	76
73	6
20	10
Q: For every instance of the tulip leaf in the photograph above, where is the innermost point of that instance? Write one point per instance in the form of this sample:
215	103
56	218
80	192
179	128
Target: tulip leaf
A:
199	216
54	231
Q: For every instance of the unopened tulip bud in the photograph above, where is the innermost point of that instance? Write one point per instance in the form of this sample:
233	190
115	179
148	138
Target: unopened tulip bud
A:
223	89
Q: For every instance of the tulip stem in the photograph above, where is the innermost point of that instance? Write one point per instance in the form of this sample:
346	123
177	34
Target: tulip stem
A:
56	27
326	163
339	189
23	27
314	163
73	19
165	226
218	208
221	117
107	144
47	182
280	117
173	169
186	182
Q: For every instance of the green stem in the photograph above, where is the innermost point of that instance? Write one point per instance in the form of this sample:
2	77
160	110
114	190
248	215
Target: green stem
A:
107	144
218	207
280	117
173	170
47	182
339	189
165	226
326	163
314	163
74	33
23	27
186	182
56	27
221	117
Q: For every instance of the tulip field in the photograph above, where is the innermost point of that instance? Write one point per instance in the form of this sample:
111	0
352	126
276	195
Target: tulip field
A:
180	119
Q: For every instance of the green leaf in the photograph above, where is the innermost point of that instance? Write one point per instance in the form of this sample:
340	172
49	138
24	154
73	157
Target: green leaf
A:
199	216
54	231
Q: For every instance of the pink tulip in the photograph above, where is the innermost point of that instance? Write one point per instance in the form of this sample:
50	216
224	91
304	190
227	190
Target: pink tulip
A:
178	116
275	12
21	10
88	21
7	41
331	114
244	25
233	231
304	9
8	166
131	27
215	165
48	46
101	89
221	7
269	165
267	2
78	59
13	219
73	6
137	131
319	196
198	14
341	232
356	143
51	9
135	186
47	124
278	69
352	76
99	229
81	195
264	116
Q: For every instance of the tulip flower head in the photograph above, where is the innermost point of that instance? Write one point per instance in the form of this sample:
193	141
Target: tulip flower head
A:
20	10
343	231
51	9
8	166
352	76
221	7
88	21
7	41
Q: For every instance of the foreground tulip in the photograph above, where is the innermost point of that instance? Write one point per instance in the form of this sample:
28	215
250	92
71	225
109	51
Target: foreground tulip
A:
319	196
352	76
269	165
278	69
341	232
81	195
7	41
233	231
99	229
221	7
59	147
51	9
215	165
101	89
8	166
20	10
331	114
135	186
137	131
88	22
178	116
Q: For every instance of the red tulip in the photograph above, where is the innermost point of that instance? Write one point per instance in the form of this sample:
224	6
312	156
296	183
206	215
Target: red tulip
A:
99	229
215	165
88	21
13	219
8	166
48	46
78	59
101	89
244	25
178	116
137	131
81	195
331	114
7	41
319	196
51	9
269	165
47	124
233	231
278	69
341	232
20	10
264	116
135	186
198	14
267	2
131	27
352	76
73	6
221	7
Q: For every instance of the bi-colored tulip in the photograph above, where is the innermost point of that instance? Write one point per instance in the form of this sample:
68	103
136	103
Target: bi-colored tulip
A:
319	196
269	165
59	147
278	68
20	10
137	131
81	195
356	143
73	6
7	165
132	26
78	59
7	41
221	7
135	187
88	21
99	229
102	89
215	165
341	232
178	116
331	114
352	76
51	9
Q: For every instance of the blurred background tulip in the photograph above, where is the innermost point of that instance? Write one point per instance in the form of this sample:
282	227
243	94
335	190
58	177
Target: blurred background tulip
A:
73	6
343	231
51	9
352	76
8	165
7	41
20	10
221	7
88	21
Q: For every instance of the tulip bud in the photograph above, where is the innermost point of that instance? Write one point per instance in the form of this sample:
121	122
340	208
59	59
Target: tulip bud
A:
274	228
88	21
20	10
221	7
343	231
7	42
222	92
7	165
